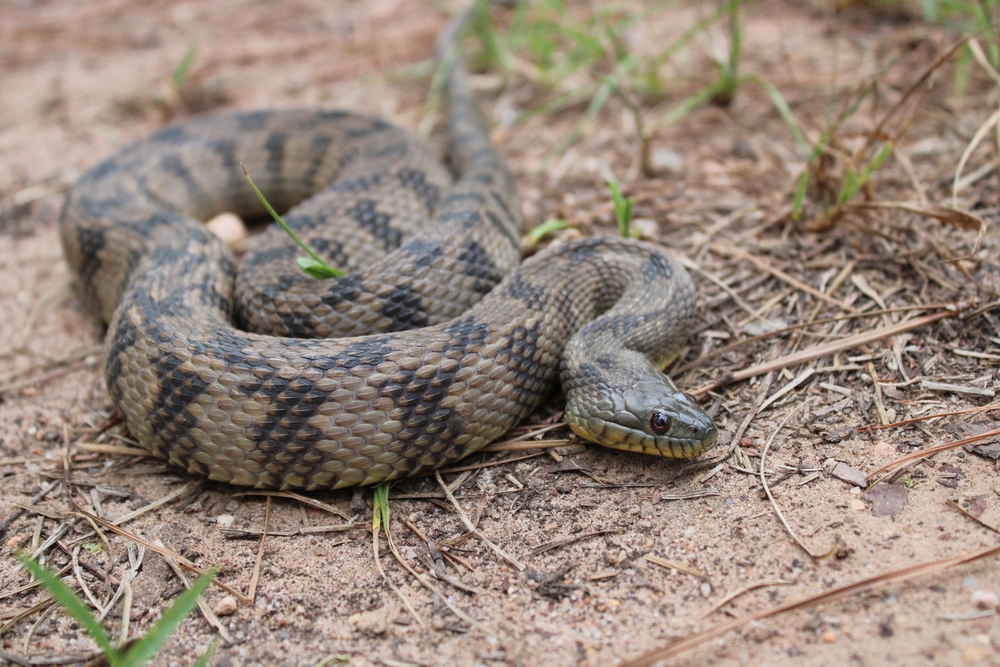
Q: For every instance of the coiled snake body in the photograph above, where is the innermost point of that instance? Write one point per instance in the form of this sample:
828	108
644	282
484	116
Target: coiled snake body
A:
437	352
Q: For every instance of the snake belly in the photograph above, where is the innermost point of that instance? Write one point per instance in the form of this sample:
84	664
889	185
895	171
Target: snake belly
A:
426	354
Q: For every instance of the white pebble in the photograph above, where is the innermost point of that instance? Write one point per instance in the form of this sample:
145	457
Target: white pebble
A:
229	227
985	599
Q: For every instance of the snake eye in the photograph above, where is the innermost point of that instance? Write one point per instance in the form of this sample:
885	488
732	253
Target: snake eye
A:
659	423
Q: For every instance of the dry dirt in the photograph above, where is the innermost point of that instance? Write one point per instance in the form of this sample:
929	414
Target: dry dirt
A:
79	79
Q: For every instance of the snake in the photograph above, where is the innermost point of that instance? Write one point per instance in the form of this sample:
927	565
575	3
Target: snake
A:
437	339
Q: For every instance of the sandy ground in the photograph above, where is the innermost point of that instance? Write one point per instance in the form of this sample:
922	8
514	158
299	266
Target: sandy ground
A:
78	79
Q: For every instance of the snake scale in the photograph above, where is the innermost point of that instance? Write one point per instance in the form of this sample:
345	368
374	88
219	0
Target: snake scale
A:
435	342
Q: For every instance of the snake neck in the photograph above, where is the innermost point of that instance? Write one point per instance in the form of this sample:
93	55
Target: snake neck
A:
631	324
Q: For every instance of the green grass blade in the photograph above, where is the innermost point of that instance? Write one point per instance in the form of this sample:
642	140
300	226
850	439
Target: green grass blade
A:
597	103
380	510
688	104
735	38
539	232
144	649
778	100
800	195
689	35
75	607
559	103
623	209
849	189
876	163
184	66
328	270
317	270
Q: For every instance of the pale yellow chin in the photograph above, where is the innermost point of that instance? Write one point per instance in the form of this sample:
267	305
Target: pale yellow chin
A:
615	436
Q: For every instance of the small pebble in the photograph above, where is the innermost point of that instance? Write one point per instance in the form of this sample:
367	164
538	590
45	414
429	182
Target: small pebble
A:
225	520
664	159
884	450
829	636
646	229
374	622
975	654
227	606
229	227
985	599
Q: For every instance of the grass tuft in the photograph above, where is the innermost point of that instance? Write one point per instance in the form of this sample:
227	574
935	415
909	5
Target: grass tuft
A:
143	650
623	209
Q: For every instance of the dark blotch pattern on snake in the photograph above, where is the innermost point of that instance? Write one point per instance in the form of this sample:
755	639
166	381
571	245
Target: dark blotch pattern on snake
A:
422	354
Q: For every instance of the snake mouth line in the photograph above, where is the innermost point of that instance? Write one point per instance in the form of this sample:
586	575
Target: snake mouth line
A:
616	436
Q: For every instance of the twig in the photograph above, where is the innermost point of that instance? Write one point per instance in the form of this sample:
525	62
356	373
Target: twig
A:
376	525
75	560
475	531
18	513
737	299
119	450
136	554
833	347
312	502
548	546
930	451
252	592
519	445
724	247
746	589
488	464
170	497
163	551
972	516
455	609
781	332
206	611
983	408
674	565
652	657
770	497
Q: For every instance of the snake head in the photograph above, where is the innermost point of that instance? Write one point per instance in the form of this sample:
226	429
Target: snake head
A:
651	416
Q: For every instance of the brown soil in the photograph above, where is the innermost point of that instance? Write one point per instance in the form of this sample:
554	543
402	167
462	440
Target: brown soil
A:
81	78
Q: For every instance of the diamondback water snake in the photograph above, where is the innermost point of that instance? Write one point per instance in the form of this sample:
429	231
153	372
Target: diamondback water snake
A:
440	351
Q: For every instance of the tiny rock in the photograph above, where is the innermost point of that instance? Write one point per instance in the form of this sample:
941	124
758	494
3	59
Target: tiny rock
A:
884	450
849	474
229	227
646	228
829	636
664	159
975	655
376	621
984	599
15	542
227	606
